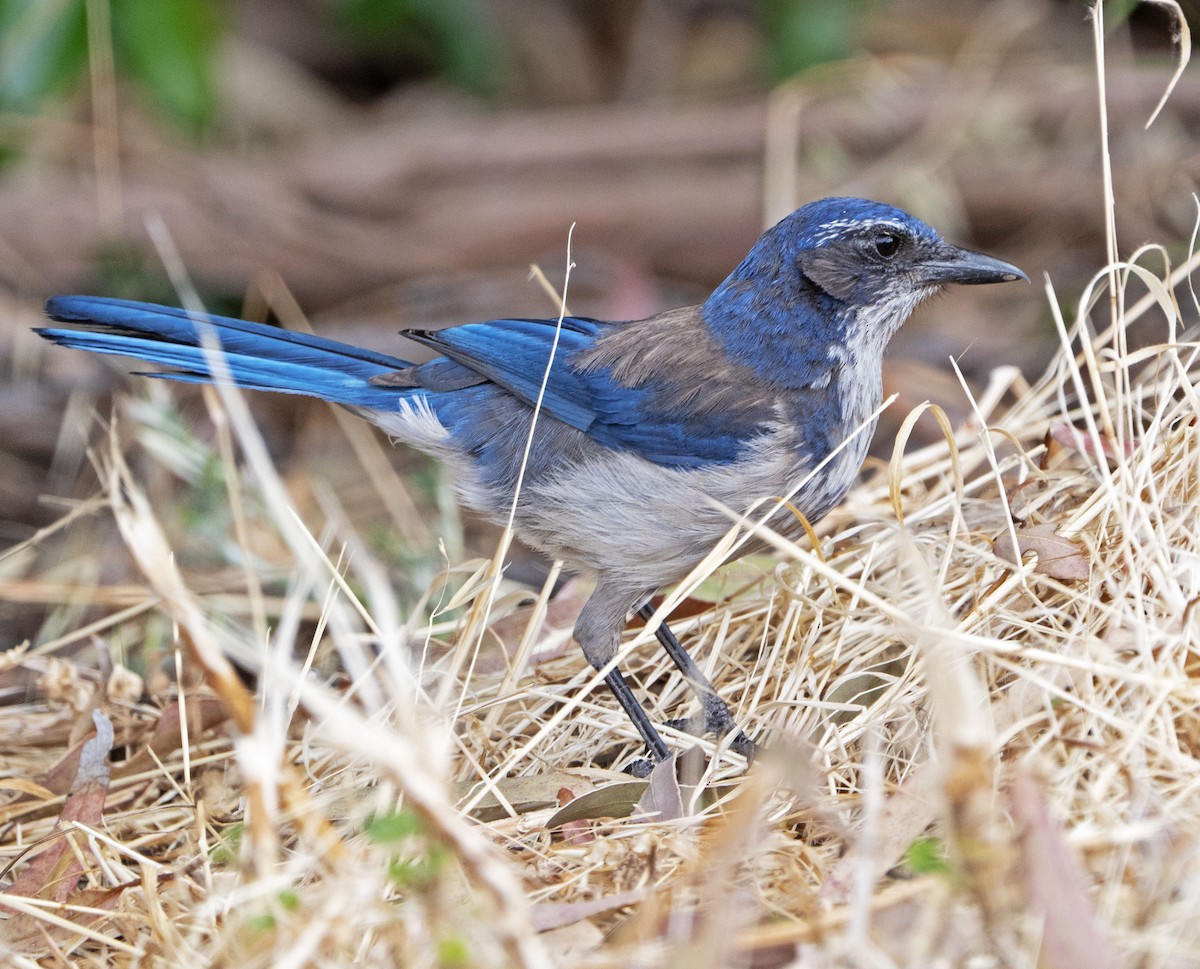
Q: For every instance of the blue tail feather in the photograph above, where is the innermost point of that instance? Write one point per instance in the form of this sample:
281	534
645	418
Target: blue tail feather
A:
258	357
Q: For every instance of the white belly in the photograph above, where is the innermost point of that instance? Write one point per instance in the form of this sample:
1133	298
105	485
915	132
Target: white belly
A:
612	512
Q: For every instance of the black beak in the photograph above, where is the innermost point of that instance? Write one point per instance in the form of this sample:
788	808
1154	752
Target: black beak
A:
949	264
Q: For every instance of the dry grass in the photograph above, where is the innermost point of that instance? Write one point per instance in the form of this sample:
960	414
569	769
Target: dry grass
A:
977	756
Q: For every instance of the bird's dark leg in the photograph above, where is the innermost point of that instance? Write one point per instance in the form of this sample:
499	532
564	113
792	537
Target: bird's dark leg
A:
634	710
717	717
598	632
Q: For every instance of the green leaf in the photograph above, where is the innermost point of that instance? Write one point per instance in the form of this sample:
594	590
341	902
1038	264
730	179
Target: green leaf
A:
225	851
927	856
417	872
452	952
168	47
259	925
43	49
803	33
392	827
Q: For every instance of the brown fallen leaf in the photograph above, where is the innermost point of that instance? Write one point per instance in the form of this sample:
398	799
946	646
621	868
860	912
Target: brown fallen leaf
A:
53	873
553	639
204	713
1079	440
579	831
1058	557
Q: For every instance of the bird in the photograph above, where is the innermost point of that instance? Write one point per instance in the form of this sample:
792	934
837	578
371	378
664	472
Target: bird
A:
649	434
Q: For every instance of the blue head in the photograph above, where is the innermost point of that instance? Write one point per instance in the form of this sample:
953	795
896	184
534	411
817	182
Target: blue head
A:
836	278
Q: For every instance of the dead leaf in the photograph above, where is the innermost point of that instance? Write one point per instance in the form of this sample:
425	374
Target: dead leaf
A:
1057	888
1058	557
53	873
204	713
663	800
611	801
552	640
552	915
906	813
1079	440
579	831
566	944
525	794
862	688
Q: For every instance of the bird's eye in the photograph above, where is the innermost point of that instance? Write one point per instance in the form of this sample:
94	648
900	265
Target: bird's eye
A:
887	244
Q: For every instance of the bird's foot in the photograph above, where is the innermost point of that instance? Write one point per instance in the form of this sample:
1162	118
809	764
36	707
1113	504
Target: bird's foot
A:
715	719
641	768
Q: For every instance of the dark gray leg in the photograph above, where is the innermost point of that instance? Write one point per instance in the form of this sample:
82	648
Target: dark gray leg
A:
598	632
620	689
717	717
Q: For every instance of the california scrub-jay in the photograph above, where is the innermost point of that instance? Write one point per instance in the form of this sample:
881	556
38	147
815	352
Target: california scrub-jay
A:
650	431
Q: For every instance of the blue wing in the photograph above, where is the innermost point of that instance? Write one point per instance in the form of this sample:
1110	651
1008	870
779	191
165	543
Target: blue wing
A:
668	418
514	354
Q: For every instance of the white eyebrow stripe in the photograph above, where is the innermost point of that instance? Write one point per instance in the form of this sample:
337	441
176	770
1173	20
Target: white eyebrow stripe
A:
829	231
